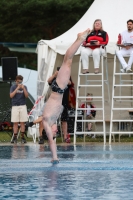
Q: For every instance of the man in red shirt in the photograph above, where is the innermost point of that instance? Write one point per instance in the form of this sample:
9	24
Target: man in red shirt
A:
94	46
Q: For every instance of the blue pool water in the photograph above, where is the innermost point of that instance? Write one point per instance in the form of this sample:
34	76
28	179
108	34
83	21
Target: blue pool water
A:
91	171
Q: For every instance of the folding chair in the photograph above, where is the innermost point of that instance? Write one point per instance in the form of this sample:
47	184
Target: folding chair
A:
34	130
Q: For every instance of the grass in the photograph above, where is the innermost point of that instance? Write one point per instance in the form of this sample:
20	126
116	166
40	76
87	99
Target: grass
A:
6	137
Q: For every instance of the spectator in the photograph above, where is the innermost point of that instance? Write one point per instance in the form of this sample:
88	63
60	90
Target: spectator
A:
65	101
18	94
90	114
125	41
91	46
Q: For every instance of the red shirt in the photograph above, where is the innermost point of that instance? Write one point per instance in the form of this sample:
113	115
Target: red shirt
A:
93	112
100	36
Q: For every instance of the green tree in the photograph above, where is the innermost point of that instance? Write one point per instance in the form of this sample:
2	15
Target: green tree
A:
32	20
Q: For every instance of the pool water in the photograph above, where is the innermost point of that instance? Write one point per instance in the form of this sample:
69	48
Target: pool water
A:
90	171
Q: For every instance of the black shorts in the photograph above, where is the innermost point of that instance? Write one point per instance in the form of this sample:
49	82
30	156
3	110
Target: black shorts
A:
64	115
55	88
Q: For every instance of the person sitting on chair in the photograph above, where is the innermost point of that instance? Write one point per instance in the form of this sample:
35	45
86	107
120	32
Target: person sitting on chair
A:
91	46
90	114
125	41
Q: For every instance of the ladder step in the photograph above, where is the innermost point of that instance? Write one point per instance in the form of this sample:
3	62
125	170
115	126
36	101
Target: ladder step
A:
122	132
92	132
122	109
88	74
94	97
123	120
86	120
124	85
122	81
100	100
89	108
124	97
123	73
97	80
90	86
93	80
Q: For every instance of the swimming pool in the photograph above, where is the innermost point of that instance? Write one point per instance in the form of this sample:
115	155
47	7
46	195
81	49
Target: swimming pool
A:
88	171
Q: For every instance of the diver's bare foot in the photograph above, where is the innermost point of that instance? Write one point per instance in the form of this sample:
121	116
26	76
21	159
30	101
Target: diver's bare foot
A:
82	36
55	161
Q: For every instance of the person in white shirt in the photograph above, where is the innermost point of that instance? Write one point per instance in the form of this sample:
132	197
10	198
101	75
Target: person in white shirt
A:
125	41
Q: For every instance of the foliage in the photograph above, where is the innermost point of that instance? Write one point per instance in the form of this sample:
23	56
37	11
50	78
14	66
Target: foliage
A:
28	60
32	20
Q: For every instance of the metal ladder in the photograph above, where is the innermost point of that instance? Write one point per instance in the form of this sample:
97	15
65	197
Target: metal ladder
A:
79	97
119	99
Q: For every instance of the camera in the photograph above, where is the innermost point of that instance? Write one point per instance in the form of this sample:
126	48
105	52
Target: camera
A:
93	42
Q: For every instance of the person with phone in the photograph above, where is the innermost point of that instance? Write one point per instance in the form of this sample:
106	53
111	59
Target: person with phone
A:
125	41
94	46
18	95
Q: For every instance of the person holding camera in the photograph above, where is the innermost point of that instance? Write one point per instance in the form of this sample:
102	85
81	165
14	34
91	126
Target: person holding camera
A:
18	95
94	46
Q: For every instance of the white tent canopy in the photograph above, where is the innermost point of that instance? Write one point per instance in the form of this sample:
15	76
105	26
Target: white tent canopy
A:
114	15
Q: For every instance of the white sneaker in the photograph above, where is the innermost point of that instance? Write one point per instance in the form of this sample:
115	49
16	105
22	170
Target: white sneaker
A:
128	70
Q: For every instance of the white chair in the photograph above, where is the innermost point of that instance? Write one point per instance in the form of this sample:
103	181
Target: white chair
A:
34	130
